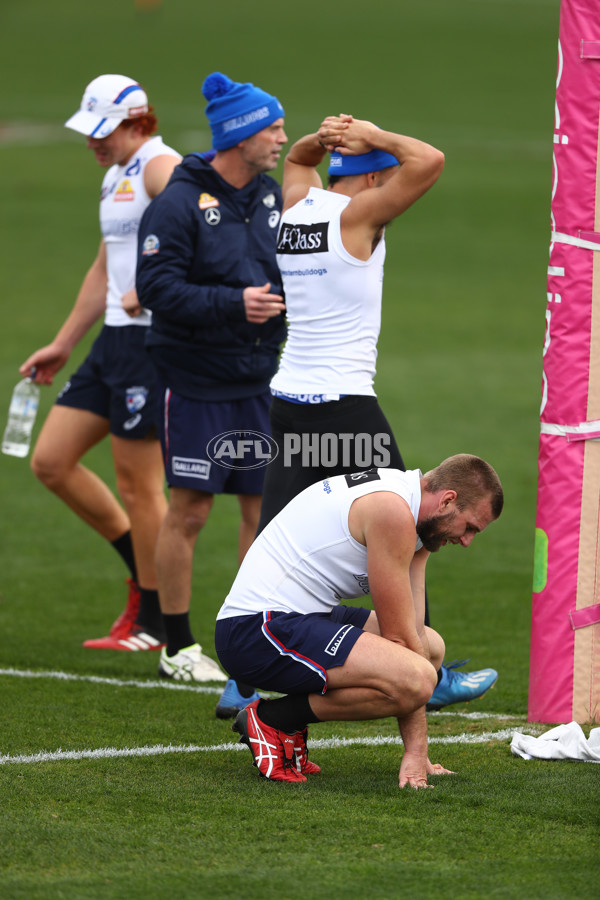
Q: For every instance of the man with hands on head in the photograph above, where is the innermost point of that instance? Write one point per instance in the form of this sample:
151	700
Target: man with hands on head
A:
331	252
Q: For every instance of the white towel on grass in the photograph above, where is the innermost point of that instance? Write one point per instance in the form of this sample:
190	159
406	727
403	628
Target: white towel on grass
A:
562	742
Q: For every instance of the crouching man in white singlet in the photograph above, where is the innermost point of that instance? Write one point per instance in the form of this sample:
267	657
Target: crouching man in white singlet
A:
283	627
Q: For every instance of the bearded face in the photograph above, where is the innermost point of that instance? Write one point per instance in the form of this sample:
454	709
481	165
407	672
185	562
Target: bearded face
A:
436	531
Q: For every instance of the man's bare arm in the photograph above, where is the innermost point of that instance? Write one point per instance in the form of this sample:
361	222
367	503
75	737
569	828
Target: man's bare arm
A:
420	165
300	169
384	523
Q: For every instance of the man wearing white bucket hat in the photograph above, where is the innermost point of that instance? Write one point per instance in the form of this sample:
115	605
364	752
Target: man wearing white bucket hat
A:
113	391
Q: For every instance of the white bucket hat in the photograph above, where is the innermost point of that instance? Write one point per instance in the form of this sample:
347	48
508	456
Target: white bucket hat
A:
108	100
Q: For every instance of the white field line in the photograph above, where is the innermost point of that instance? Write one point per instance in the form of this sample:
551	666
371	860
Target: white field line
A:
198	689
160	749
115	682
322	744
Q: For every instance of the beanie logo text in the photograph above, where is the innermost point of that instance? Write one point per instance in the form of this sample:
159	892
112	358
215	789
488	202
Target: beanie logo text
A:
247	119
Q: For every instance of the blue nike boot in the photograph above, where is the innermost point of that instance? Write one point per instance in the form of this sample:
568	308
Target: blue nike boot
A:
231	701
460	687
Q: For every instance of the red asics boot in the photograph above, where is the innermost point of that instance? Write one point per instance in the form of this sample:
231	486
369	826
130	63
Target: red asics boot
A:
273	750
303	763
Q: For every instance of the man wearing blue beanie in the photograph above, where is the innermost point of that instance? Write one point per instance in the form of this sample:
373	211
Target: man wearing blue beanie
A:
325	416
237	111
207	270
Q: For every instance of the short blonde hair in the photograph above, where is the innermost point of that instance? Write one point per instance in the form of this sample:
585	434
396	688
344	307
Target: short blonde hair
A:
471	477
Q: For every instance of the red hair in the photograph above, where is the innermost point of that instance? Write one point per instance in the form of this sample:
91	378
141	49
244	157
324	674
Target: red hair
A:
148	123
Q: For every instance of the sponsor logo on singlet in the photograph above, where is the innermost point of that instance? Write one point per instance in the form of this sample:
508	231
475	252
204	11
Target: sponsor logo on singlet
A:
135	168
124	191
120	227
358	478
303	238
363	582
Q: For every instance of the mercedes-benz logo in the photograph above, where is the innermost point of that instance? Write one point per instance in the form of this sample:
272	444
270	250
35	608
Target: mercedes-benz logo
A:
212	216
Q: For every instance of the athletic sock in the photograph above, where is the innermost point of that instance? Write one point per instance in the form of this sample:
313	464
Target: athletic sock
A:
246	690
178	632
124	547
289	714
150	616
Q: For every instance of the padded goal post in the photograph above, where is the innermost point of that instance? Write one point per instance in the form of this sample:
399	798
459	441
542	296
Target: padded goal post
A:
564	681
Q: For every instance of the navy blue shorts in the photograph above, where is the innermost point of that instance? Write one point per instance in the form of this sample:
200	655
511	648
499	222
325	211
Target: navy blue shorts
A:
117	381
190	433
288	652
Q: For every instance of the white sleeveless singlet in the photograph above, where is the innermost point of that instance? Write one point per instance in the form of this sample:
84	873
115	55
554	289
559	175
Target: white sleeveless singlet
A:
306	560
122	202
333	302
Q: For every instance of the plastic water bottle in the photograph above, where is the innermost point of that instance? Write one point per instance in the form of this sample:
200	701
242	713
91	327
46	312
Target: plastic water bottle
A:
21	417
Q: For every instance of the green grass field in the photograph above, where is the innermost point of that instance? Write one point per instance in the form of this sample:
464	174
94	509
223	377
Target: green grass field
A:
115	786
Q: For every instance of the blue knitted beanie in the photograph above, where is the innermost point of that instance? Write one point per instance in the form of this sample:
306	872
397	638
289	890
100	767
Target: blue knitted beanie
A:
236	111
